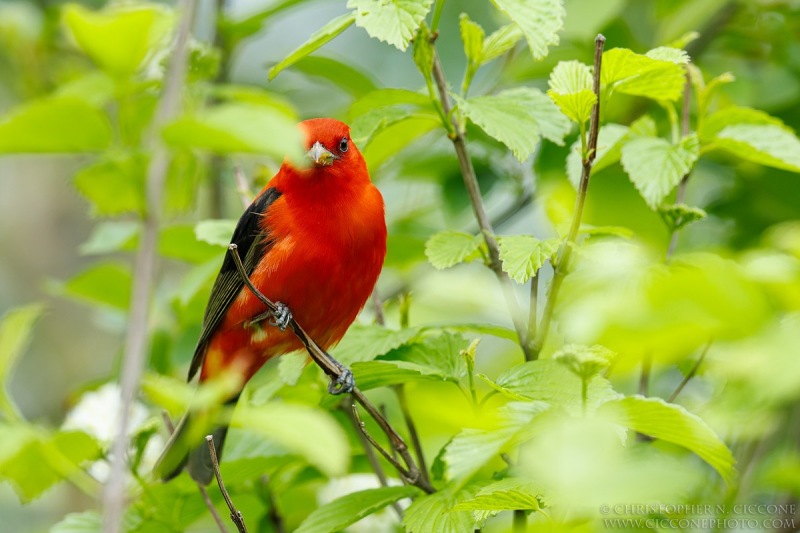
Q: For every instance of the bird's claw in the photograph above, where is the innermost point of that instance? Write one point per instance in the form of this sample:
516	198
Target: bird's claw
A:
343	384
281	317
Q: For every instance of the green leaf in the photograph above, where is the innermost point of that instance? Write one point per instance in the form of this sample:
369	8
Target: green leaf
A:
309	432
55	125
383	98
423	51
434	512
571	90
472	36
769	145
95	89
349	509
343	75
677	216
85	522
114	184
584	361
319	38
374	374
672	423
517	118
505	495
392	21
118	38
215	231
436	355
389	141
711	127
238	128
524	255
107	237
639	75
472	448
365	343
668	53
365	126
179	242
107	284
610	139
290	367
656	166
539	20
15	336
500	41
449	248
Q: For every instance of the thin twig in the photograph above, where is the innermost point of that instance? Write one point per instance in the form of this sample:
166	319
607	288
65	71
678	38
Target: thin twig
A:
369	451
377	305
386	455
474	192
236	515
334	370
211	508
144	270
412	431
691	373
167	422
680	196
565	252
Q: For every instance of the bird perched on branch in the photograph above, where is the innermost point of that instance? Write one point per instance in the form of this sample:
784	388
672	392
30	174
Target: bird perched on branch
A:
313	241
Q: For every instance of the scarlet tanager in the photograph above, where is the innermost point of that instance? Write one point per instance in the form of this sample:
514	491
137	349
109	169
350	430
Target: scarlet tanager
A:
314	240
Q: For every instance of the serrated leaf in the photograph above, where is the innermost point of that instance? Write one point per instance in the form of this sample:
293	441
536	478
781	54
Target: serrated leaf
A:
505	495
449	248
517	118
584	361
656	166
365	343
640	75
373	374
677	216
105	284
115	184
134	30
672	423
571	89
55	125
319	38
539	20
472	35
85	522
215	231
472	448
524	255
392	21
15	335
423	51
668	53
436	355
500	41
309	432
610	139
238	128
769	145
434	512
349	509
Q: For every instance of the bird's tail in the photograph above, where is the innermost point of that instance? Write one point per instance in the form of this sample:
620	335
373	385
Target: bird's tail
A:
187	447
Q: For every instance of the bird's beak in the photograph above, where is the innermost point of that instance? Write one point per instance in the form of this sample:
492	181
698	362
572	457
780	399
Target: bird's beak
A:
321	156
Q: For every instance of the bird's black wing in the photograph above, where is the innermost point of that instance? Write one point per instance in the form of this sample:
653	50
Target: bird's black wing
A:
252	243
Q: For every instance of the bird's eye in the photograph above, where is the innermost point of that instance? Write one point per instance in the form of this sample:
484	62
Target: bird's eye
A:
343	145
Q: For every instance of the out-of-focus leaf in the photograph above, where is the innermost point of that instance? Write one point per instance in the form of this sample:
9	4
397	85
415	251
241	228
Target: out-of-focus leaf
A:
656	166
448	248
571	90
436	355
373	374
345	76
111	236
639	75
610	139
15	335
215	231
238	128
769	145
668	53
95	88
392	21
319	38
472	448
711	127
115	184
677	216
472	36
382	98
179	242
387	142
672	423
308	432
524	255
517	118
365	343
504	495
423	51
584	361
183	175
434	512
500	42
55	125
539	20
85	522
118	38
349	509
106	284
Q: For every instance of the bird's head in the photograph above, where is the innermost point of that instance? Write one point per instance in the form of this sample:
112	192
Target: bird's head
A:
329	146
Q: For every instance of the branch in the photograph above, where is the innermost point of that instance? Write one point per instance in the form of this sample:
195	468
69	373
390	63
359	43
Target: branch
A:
691	373
685	127
565	253
335	371
412	430
474	192
236	515
135	349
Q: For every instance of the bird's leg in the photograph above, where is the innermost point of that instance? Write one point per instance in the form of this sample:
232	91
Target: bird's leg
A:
344	383
280	317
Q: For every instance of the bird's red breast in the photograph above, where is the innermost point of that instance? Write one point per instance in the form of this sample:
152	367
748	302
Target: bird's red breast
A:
324	241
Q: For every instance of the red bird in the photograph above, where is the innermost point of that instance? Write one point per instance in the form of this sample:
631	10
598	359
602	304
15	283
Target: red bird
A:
314	240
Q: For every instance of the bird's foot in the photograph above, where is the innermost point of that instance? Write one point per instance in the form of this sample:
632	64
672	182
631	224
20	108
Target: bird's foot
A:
280	317
343	384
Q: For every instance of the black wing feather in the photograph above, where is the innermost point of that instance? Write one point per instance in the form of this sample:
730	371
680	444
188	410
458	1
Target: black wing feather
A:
252	243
